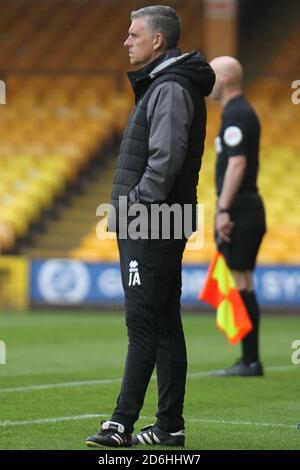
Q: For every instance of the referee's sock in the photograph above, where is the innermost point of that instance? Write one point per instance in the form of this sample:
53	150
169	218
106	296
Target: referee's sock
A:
250	351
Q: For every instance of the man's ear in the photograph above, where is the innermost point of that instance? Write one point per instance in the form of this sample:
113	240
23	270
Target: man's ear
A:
226	79
158	41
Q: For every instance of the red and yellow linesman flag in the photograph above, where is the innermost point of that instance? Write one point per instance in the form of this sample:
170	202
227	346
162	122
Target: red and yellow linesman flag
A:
219	290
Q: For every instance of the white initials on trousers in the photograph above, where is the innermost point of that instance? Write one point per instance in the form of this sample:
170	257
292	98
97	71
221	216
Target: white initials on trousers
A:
134	276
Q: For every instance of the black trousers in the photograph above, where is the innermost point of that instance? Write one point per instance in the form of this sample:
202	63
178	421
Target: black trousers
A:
151	277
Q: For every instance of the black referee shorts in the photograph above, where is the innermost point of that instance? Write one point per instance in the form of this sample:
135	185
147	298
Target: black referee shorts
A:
248	215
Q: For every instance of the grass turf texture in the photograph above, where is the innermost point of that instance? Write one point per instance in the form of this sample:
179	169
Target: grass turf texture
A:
221	413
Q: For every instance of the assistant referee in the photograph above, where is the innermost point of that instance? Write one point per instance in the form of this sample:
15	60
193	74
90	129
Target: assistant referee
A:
240	215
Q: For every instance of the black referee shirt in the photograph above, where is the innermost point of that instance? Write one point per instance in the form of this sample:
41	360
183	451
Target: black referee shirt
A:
239	135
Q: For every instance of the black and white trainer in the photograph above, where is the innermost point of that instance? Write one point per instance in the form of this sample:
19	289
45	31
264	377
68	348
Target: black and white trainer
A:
111	434
152	435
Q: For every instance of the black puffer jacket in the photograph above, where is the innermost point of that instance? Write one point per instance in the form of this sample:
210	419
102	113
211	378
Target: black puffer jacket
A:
160	155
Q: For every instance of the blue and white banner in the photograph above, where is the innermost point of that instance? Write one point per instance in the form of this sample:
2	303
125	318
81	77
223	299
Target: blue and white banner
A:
70	282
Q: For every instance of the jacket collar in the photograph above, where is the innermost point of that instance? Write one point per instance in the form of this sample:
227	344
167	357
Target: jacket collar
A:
170	62
141	79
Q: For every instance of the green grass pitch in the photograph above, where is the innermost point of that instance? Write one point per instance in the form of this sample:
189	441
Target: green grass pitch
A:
63	375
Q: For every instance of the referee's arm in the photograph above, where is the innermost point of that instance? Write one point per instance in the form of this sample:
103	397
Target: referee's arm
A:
233	178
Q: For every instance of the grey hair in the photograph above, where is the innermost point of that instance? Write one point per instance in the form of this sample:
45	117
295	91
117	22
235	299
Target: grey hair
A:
161	19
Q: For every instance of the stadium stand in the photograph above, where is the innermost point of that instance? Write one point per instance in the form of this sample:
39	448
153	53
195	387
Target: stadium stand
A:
60	109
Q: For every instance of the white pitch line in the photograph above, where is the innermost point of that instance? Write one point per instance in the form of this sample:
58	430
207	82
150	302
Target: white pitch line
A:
243	423
83	383
62	419
50	420
26	388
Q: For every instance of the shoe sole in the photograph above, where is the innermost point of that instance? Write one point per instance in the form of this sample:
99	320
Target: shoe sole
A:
93	444
234	375
100	446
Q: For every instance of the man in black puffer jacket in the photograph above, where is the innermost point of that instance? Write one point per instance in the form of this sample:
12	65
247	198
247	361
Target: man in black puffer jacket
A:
158	164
